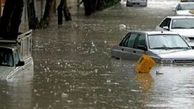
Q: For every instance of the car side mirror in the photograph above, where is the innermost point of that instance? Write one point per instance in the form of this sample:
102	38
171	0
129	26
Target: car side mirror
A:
20	63
142	47
165	27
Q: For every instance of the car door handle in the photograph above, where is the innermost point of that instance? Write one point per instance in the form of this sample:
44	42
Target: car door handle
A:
134	51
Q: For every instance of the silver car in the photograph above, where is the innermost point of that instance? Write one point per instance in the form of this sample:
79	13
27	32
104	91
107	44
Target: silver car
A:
184	8
136	2
163	46
183	25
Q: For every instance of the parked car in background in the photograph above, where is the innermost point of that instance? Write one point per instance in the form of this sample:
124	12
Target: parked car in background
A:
136	2
183	25
187	0
184	8
162	46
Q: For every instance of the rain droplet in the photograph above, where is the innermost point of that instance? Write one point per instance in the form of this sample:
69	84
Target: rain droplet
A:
93	44
108	81
35	90
64	95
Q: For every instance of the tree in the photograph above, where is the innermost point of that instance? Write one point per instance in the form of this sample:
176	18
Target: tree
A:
32	19
11	18
0	6
63	9
44	22
93	5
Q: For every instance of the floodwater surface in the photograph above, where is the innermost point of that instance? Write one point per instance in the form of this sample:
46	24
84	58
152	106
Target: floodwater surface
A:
73	68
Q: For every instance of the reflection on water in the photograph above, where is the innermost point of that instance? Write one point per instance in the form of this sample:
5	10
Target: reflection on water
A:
144	81
74	69
16	94
173	88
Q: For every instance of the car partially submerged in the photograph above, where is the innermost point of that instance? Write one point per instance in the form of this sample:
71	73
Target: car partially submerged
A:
183	25
163	46
16	57
184	8
136	2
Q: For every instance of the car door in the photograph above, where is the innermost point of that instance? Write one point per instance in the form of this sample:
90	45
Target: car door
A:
164	25
126	46
140	46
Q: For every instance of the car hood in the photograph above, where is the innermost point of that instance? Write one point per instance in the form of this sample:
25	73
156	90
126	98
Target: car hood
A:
184	32
5	71
185	12
175	54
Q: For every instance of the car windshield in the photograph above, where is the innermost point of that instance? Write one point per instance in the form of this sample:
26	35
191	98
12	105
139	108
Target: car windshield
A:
6	57
185	7
186	23
168	41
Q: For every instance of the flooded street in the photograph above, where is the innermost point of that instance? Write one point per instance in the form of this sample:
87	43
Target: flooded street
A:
73	68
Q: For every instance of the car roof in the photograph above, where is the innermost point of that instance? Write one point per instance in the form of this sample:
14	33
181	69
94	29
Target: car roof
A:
159	32
8	47
155	32
179	17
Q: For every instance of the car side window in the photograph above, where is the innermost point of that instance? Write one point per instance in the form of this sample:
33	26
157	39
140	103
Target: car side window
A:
16	58
129	40
178	7
124	41
165	22
140	41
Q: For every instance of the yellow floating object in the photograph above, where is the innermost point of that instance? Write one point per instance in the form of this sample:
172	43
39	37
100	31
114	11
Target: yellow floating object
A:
144	64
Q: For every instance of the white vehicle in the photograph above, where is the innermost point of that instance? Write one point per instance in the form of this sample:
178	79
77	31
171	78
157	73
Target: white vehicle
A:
183	25
136	2
184	8
15	57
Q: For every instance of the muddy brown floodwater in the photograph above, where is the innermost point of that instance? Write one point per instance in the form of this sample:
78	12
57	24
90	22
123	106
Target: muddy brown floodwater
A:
73	68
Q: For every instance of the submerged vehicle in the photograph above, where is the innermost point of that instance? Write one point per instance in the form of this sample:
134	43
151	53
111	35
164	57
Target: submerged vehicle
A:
163	46
183	25
16	56
136	2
